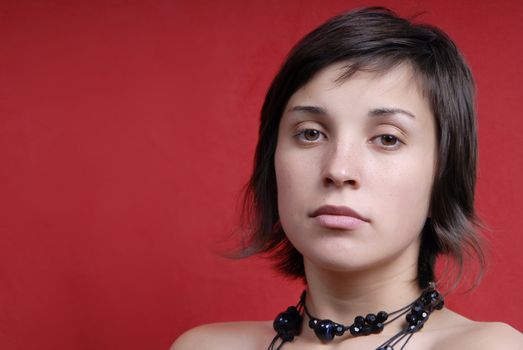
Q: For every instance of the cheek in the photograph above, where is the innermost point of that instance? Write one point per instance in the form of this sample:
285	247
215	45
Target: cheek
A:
294	185
405	197
286	182
283	175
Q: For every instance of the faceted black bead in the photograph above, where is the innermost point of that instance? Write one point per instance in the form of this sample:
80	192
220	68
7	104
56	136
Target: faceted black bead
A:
325	330
424	316
366	330
382	316
439	305
415	327
339	330
417	305
426	294
411	318
313	322
294	318
359	321
288	322
378	327
355	330
371	319
416	310
281	323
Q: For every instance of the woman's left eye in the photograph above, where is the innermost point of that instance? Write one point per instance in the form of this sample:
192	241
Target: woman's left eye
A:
388	141
309	135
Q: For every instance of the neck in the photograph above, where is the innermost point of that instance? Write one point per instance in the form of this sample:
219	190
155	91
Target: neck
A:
341	296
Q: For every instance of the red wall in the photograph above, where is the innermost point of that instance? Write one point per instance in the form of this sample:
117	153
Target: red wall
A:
127	129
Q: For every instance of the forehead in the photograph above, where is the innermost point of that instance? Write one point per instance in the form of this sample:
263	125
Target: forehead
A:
363	90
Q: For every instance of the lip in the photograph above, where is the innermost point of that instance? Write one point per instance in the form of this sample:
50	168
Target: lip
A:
338	210
338	217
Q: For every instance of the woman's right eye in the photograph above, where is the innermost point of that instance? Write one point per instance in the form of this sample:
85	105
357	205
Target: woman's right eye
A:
309	135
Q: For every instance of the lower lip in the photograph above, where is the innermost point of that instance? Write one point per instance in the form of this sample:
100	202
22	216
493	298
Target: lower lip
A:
341	222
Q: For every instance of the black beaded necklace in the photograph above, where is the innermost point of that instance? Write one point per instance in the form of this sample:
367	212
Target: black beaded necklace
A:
288	323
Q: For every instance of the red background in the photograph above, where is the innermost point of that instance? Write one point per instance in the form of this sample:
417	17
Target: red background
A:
127	129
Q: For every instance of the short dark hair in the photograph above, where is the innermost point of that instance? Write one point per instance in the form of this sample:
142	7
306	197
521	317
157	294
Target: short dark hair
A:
376	39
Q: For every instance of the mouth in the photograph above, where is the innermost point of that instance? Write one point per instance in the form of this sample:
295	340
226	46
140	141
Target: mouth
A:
338	217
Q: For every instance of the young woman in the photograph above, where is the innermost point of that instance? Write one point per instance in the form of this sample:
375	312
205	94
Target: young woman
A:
365	172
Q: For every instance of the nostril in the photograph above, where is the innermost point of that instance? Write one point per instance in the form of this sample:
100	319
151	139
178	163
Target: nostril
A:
340	182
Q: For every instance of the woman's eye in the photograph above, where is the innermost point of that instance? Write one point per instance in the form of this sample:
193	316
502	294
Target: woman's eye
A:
309	135
388	141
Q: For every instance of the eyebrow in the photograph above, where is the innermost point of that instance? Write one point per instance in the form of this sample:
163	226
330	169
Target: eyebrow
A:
309	109
376	112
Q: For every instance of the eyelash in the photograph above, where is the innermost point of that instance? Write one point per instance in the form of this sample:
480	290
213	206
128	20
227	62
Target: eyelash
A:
302	132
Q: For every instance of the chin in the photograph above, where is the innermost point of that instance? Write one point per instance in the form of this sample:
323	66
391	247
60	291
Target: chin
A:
340	259
339	267
348	257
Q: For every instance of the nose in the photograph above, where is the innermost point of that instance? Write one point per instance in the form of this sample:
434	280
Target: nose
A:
342	167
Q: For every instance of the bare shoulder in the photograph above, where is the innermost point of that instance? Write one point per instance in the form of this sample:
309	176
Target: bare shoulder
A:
468	334
248	335
493	335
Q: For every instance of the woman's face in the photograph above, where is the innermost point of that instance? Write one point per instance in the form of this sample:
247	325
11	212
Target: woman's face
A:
369	144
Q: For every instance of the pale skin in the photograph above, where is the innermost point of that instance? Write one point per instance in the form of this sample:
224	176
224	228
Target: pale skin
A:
369	143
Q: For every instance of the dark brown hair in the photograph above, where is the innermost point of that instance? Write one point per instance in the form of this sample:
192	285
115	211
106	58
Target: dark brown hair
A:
376	39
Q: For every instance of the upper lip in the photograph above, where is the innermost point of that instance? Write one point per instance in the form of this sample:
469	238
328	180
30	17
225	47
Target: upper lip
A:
337	210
